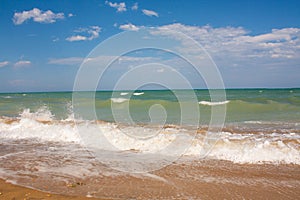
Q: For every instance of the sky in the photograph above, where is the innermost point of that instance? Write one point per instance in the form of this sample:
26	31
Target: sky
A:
254	44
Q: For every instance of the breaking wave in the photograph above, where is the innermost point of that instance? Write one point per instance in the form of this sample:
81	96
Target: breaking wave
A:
233	146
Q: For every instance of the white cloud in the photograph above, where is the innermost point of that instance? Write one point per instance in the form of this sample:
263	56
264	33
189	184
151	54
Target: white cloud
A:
135	6
55	39
237	43
85	34
243	58
136	59
22	63
76	38
121	7
37	15
100	59
129	27
66	61
150	13
4	63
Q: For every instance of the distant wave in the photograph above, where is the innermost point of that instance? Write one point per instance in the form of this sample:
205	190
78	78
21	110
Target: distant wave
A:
118	100
138	93
123	93
7	97
209	103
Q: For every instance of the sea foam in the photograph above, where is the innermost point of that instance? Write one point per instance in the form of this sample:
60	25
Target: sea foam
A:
138	93
209	103
118	100
231	146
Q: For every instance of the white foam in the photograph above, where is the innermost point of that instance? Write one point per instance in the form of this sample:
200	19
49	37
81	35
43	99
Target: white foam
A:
209	103
42	114
31	129
119	139
238	148
123	93
259	153
253	122
118	100
251	149
31	125
138	93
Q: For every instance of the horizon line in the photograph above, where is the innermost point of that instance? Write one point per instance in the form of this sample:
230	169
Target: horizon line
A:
163	89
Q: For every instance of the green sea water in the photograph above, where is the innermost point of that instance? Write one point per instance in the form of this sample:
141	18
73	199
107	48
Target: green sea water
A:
243	105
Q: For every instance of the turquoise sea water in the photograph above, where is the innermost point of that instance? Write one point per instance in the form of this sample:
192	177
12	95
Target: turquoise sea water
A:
243	105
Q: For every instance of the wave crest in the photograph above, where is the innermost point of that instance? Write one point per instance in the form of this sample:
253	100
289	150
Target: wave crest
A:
209	103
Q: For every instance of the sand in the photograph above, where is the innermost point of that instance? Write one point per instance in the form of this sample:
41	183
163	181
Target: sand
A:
196	180
9	191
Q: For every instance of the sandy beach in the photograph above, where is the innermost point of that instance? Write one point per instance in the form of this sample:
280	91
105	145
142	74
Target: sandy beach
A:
197	180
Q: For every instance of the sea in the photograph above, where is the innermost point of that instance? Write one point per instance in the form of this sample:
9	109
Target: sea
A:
150	144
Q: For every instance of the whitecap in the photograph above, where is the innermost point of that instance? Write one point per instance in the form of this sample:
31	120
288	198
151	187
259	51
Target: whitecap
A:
118	100
138	93
209	103
42	114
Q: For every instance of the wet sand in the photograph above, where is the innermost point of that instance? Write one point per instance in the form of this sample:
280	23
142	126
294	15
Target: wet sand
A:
206	179
9	191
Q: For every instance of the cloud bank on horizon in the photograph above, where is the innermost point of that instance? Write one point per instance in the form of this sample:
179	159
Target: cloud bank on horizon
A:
272	56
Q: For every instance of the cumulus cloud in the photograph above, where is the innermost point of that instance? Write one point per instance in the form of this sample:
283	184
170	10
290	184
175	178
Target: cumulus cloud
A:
150	13
85	34
22	63
243	58
129	27
66	61
76	38
4	63
135	6
37	15
121	7
236	42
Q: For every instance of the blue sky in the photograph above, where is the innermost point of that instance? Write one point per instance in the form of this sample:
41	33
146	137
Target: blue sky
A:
253	43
